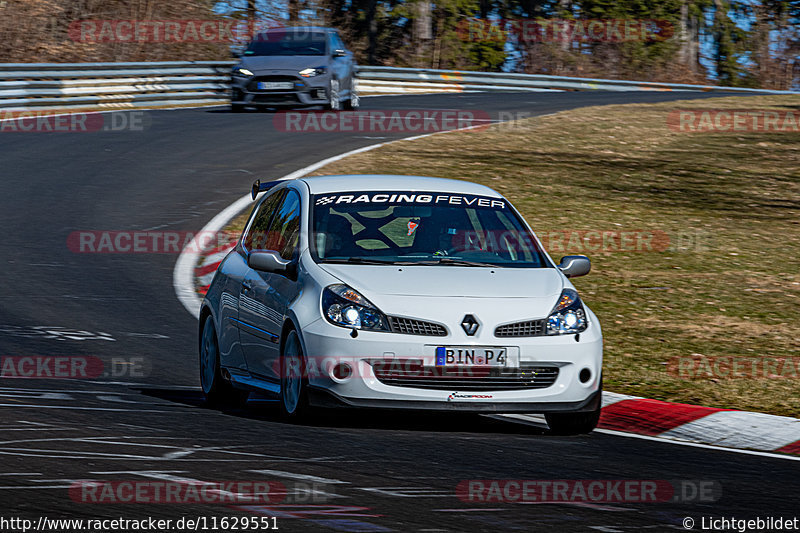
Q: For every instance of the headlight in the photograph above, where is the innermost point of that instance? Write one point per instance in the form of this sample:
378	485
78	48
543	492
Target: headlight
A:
568	316
345	307
311	72
242	72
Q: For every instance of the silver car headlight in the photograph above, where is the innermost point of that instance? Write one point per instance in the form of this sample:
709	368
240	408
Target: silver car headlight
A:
311	72
345	307
568	316
242	72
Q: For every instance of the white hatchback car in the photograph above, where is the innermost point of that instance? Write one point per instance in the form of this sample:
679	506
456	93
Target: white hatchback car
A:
399	292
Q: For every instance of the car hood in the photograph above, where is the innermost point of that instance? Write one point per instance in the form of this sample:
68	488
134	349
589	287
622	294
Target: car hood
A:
294	63
449	281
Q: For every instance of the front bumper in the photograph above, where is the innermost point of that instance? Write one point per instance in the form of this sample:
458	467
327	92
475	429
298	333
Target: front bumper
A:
326	345
304	91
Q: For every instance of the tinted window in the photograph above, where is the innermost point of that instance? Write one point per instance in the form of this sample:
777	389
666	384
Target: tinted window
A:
256	238
284	230
287	44
406	226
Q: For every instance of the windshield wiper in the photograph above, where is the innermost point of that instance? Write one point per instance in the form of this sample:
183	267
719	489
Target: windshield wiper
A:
462	262
368	261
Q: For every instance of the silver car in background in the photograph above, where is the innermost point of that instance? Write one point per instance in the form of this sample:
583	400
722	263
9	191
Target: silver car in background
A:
295	67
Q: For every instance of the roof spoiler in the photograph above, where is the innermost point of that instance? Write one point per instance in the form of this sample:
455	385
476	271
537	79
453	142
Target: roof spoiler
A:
259	187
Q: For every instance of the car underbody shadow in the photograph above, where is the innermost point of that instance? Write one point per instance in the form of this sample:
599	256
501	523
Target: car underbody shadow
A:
263	408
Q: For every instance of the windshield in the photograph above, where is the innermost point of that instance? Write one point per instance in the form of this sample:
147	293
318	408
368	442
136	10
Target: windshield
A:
406	227
287	44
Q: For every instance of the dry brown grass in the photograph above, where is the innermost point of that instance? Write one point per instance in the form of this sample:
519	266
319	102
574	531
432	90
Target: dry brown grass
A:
728	285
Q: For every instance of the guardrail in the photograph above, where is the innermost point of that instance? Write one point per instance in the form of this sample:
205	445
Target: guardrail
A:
387	79
114	85
199	83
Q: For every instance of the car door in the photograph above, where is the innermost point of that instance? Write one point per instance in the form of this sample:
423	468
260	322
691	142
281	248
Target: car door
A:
266	296
252	313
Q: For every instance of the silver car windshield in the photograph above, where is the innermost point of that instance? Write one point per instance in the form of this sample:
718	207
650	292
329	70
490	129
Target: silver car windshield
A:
406	227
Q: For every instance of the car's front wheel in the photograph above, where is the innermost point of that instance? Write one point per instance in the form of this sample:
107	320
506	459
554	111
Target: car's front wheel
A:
334	101
576	423
294	393
216	390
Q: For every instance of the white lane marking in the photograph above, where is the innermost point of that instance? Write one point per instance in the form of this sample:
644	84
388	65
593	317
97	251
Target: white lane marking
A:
183	273
739	429
698	445
21	474
300	477
410	492
83	408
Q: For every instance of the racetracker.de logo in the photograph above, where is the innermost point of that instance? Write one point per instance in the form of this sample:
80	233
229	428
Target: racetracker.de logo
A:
41	366
382	121
174	31
564	30
71	122
733	121
178	492
587	491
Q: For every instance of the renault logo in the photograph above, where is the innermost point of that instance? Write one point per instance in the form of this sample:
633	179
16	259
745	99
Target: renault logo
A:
470	325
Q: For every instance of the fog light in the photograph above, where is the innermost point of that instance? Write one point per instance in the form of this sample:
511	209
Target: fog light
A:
342	371
585	375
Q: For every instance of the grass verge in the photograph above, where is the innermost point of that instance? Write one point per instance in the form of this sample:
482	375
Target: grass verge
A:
723	279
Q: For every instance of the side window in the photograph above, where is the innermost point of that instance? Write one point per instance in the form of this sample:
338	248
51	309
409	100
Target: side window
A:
256	238
337	42
284	230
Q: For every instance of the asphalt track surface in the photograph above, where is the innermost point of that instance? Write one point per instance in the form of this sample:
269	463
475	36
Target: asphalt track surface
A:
377	472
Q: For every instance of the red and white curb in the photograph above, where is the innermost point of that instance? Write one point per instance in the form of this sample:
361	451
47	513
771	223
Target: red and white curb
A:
690	425
695	425
208	264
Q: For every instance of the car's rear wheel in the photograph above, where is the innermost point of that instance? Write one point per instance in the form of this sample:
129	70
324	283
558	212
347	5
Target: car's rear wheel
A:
294	387
354	102
237	108
216	390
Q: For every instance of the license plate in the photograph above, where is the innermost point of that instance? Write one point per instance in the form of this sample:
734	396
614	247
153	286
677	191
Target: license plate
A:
264	85
471	356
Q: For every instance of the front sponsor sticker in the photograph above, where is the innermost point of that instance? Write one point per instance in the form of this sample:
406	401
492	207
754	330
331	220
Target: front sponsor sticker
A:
410	198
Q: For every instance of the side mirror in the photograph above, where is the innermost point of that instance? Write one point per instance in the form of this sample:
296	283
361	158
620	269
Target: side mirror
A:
268	261
575	265
339	53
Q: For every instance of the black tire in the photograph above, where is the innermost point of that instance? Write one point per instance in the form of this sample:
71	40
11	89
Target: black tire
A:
237	108
576	423
354	102
294	382
217	391
572	423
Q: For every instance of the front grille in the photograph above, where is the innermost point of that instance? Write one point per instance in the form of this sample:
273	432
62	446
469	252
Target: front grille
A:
252	85
465	378
529	328
274	98
411	326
